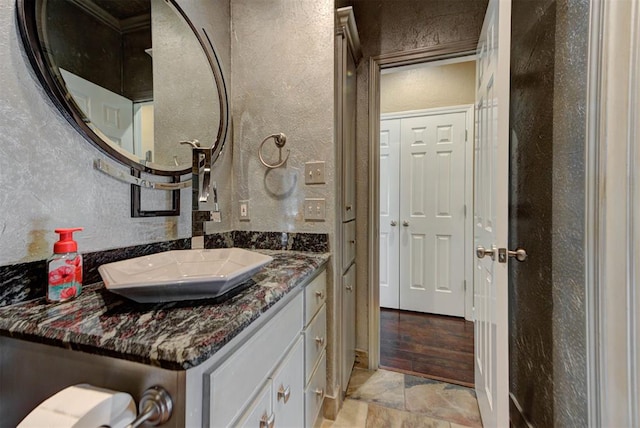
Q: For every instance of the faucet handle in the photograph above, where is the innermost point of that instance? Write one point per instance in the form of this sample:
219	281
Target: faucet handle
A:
206	177
215	214
193	143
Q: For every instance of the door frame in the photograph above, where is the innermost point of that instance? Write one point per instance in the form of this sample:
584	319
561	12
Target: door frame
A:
469	109
376	64
612	208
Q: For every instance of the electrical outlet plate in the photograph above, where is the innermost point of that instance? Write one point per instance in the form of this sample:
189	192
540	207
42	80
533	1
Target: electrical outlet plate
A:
315	209
244	211
314	173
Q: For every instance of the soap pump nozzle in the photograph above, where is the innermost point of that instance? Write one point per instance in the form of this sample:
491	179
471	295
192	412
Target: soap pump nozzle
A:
66	244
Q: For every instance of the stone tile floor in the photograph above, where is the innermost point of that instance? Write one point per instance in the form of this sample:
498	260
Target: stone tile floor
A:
394	400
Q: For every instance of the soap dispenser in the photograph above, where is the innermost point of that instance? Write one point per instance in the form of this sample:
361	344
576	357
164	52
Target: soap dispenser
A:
64	268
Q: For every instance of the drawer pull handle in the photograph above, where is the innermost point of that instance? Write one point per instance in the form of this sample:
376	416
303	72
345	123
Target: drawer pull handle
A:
284	393
348	207
349	287
267	421
320	392
319	294
353	241
320	340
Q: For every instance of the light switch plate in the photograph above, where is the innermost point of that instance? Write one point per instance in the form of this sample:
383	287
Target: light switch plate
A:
244	211
315	209
314	173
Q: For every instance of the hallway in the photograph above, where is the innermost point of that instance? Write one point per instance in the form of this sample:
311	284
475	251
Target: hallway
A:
389	399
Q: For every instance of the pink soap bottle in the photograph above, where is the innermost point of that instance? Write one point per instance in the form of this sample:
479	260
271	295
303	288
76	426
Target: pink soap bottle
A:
64	268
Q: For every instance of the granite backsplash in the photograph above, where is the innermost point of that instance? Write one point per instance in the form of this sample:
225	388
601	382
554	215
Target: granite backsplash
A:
27	281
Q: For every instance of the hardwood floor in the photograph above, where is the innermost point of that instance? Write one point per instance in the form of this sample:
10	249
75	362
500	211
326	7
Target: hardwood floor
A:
433	346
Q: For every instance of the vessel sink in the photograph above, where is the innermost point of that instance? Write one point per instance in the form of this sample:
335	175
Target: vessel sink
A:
182	274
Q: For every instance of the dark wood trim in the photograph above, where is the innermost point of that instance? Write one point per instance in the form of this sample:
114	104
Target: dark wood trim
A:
431	53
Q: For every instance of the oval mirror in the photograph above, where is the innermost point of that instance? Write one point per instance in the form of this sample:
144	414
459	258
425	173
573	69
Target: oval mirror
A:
134	76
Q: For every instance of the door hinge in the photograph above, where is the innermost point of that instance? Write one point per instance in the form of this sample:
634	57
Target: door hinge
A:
465	210
466	135
465	285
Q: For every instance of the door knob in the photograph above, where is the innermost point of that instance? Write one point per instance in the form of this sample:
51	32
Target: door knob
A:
520	255
405	223
394	223
481	252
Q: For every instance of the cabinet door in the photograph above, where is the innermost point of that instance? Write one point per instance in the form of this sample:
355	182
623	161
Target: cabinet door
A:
349	244
348	323
315	338
288	389
349	139
314	394
259	414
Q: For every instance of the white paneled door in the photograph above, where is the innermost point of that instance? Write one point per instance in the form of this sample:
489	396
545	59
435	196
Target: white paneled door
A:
389	213
491	215
424	252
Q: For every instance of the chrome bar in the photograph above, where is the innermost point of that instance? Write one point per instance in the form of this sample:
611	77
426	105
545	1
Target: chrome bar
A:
155	407
109	169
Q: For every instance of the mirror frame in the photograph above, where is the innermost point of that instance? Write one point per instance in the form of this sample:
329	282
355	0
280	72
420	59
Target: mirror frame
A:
28	27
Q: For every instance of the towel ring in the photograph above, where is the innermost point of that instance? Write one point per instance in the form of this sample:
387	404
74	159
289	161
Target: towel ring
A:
280	140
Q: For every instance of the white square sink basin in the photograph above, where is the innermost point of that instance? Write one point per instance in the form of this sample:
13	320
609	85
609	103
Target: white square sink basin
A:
181	274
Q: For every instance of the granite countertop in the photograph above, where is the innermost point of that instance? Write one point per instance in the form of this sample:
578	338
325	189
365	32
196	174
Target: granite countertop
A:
177	335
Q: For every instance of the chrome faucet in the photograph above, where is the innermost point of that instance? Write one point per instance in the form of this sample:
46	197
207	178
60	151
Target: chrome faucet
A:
201	185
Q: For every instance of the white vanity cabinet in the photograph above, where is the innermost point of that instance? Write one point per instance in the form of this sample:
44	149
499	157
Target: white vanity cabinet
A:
276	377
272	374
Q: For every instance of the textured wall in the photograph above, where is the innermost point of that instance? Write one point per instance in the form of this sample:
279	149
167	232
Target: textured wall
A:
46	173
282	61
283	81
546	302
568	233
423	87
389	26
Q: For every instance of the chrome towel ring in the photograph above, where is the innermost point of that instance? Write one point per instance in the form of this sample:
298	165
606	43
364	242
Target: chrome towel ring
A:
280	140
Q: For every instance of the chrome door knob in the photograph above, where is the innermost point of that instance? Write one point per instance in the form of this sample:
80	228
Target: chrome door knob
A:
520	254
405	223
481	252
394	223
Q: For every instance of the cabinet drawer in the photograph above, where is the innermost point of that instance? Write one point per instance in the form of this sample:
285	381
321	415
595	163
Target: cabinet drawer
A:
348	244
315	337
238	379
288	389
315	294
259	410
314	394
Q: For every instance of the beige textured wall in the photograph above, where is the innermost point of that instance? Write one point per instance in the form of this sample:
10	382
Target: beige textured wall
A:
428	87
384	27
